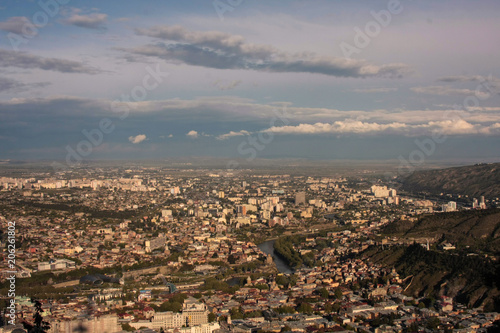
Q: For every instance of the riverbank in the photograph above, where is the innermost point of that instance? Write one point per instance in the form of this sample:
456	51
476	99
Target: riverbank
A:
268	248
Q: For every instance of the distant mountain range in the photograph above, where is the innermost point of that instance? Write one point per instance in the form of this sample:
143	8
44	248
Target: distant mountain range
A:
474	181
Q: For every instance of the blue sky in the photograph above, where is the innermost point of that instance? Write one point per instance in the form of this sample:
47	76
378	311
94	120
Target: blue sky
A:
249	79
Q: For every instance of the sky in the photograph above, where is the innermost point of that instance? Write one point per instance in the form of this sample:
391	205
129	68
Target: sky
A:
413	81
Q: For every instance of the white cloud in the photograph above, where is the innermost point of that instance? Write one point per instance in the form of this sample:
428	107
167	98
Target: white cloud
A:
20	25
338	127
232	134
242	110
137	139
192	134
89	21
446	127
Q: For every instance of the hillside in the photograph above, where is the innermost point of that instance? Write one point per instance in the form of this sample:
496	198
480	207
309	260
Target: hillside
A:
477	229
474	281
474	180
471	279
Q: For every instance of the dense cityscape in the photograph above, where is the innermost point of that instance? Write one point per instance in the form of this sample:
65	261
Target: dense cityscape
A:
221	166
155	249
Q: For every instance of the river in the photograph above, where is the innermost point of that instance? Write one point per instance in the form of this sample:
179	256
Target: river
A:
268	248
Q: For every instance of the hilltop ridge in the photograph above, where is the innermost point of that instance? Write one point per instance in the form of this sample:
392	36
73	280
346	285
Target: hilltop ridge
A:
473	180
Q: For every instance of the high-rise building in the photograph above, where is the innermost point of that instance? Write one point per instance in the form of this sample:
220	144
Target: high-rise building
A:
273	200
241	210
382	191
450	207
482	203
193	313
300	198
475	203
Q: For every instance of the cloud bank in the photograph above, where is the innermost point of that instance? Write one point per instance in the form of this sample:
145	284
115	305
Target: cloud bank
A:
19	59
15	24
214	49
445	127
89	21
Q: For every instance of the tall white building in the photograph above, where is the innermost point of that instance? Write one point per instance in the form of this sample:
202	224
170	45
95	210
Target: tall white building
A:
194	315
382	191
103	324
450	207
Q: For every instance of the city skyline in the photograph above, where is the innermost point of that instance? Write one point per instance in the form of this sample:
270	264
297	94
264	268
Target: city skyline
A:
317	80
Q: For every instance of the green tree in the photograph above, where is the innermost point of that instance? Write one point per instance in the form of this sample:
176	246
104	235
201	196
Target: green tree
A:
324	293
282	280
39	325
174	304
433	323
305	308
127	327
253	314
236	313
338	293
285	309
336	307
212	317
